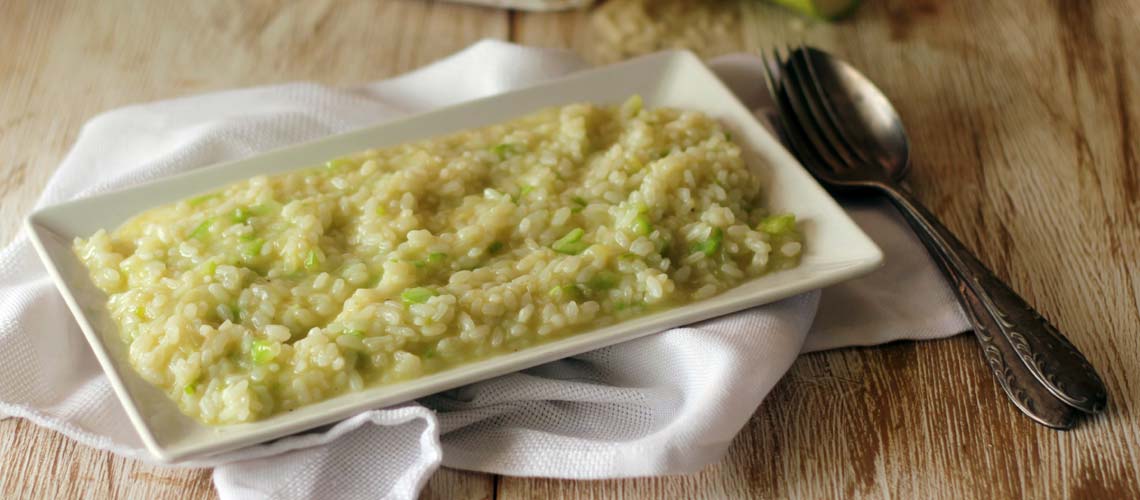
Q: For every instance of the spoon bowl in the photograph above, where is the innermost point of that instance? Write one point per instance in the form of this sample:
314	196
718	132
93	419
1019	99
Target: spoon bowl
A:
861	113
846	132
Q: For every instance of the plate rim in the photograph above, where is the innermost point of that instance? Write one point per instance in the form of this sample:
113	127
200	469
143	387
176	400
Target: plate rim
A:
35	224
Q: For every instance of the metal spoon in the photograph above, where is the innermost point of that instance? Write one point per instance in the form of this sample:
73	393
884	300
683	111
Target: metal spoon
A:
850	137
1013	377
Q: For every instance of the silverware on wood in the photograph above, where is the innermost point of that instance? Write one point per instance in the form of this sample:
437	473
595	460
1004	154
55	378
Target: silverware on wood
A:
1023	389
845	131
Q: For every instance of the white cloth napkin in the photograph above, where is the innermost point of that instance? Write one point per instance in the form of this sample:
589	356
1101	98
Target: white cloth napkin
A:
665	404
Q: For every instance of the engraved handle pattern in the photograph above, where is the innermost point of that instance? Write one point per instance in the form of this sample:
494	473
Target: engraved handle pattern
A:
1048	354
1043	350
1022	388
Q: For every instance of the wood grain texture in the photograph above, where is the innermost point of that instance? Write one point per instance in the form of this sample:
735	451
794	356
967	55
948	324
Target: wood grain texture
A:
65	61
1024	117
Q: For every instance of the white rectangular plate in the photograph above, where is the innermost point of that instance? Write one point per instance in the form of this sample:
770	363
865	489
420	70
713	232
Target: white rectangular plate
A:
836	249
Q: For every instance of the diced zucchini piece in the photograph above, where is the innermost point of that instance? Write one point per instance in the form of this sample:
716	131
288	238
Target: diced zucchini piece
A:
337	163
641	225
252	248
604	280
504	150
570	291
778	224
579	204
417	295
203	229
261	352
198	200
571	243
711	245
240	215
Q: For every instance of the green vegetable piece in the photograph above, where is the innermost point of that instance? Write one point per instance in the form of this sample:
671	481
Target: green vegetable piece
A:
522	192
580	202
203	229
641	225
190	389
419	263
252	248
354	333
211	267
827	10
436	258
312	260
198	200
140	312
235	312
240	215
339	162
429	353
572	243
632	106
623	305
264	208
381	211
712	244
504	150
604	280
495	248
778	224
417	295
572	248
569	291
261	352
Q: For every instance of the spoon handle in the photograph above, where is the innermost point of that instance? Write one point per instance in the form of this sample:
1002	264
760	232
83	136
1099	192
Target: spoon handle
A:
1044	351
1023	389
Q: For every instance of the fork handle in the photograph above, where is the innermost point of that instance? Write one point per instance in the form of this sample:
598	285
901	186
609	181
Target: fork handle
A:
1044	351
1013	376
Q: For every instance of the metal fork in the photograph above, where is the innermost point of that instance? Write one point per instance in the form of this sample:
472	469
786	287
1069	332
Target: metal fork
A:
1027	372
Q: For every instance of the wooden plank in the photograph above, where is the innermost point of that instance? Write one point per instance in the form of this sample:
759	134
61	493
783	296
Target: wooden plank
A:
448	484
76	59
1023	117
37	463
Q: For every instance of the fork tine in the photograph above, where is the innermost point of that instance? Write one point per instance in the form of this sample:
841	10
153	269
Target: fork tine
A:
769	76
803	151
772	81
829	114
787	125
811	97
792	89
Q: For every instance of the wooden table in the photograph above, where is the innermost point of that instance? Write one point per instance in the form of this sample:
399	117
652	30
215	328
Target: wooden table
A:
1025	117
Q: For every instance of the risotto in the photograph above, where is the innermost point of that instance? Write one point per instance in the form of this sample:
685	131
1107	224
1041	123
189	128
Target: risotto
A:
280	291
